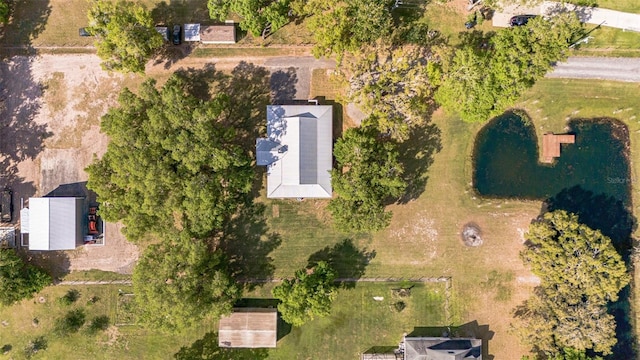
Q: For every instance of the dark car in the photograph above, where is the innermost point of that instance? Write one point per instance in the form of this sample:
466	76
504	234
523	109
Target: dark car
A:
520	20
176	36
83	32
6	205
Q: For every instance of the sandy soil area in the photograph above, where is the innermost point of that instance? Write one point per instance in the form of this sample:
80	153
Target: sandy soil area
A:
53	105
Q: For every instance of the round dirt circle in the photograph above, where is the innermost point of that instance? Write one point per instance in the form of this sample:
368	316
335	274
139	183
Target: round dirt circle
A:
471	235
42	300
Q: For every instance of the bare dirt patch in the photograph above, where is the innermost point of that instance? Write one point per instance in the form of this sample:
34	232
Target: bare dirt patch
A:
67	95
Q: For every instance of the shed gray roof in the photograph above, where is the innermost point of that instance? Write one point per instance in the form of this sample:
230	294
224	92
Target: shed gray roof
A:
297	151
435	348
55	223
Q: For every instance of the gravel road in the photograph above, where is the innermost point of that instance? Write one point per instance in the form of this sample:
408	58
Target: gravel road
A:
619	69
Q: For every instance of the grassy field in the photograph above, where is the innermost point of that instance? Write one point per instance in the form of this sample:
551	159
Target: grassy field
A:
358	322
129	342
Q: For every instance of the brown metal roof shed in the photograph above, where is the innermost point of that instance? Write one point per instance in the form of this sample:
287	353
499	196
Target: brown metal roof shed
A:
218	34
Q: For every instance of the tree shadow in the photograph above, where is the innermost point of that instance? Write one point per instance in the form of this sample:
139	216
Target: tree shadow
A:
249	90
601	212
22	138
207	348
247	242
417	154
613	219
584	13
283	86
478	40
28	20
55	263
346	259
200	83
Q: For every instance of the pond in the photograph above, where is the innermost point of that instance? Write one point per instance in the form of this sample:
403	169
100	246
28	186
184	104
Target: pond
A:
506	160
591	178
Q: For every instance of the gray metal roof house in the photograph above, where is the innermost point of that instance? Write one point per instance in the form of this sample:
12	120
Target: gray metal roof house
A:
54	223
297	151
439	348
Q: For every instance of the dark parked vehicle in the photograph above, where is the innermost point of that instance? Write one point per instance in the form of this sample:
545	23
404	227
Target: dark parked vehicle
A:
520	20
176	37
6	205
83	32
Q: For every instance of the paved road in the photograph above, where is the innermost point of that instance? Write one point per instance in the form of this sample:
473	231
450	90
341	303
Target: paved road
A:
597	16
619	69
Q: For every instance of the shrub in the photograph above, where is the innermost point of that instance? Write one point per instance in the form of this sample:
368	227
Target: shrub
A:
99	323
70	297
35	345
71	322
399	306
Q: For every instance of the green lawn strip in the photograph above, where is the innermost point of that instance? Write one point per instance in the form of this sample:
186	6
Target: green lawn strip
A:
610	39
128	342
358	322
95	275
631	6
304	228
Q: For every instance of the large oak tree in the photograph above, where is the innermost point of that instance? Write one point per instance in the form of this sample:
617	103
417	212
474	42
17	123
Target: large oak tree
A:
19	280
580	273
368	173
126	35
171	163
487	75
308	295
178	283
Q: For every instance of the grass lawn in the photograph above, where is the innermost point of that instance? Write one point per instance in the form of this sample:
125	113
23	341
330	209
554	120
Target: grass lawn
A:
631	6
358	322
127	342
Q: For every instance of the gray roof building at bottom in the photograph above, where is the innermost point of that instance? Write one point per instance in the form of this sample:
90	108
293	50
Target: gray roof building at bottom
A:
434	348
298	151
55	223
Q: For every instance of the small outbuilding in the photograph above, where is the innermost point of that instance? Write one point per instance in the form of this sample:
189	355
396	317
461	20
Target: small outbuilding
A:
53	223
218	34
249	328
191	32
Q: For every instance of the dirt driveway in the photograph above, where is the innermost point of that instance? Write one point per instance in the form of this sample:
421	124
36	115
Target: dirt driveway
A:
50	133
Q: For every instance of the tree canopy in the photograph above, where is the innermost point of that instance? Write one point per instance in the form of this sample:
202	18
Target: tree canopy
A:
178	283
171	162
368	173
346	25
392	83
307	296
19	280
256	14
486	76
580	273
126	35
4	11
